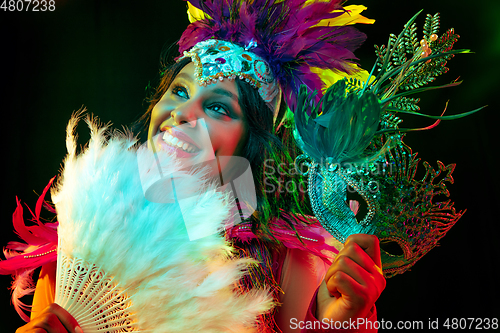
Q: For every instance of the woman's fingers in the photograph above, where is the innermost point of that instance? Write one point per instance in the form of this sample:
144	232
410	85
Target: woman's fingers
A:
48	322
369	244
65	318
345	285
53	319
360	253
355	278
349	266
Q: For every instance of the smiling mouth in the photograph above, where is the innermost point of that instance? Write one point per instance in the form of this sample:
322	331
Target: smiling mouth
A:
179	144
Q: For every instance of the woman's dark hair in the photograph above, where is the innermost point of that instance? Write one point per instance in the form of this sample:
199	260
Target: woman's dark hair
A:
278	187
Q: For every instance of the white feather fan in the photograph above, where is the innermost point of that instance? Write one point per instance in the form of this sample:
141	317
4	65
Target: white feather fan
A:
126	264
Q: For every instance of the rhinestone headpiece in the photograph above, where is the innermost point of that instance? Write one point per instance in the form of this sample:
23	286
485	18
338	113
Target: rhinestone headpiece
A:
215	60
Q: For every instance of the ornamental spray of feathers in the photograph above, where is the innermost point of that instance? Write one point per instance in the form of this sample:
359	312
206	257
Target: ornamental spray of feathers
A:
126	264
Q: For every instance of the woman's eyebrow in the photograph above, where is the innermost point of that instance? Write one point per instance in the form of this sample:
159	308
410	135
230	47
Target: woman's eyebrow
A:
184	76
225	92
219	91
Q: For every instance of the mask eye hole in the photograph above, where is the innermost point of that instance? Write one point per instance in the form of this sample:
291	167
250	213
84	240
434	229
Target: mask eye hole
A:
391	247
360	208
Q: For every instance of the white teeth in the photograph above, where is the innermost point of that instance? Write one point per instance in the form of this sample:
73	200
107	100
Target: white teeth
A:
173	141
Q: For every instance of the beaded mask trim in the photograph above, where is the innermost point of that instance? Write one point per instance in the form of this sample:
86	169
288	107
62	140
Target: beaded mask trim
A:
215	60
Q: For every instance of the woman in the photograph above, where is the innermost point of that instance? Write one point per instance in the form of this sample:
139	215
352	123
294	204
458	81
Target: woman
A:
232	112
428	309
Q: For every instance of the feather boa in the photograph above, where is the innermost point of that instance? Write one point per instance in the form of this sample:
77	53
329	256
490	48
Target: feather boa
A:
176	285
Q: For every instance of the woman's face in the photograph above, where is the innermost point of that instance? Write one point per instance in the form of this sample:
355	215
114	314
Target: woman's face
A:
197	122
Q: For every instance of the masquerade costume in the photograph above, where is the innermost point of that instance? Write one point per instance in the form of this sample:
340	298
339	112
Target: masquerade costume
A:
237	39
260	72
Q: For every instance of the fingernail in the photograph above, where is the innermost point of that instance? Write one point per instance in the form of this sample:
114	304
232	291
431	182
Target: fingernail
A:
78	330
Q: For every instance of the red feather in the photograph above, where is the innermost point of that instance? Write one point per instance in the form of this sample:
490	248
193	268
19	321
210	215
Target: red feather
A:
23	258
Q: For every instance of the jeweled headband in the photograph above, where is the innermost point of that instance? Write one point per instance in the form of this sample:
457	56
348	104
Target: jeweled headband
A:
215	60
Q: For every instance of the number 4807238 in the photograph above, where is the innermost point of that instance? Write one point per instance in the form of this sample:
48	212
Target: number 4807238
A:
28	5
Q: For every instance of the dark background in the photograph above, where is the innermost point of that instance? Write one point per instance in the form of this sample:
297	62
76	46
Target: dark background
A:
102	54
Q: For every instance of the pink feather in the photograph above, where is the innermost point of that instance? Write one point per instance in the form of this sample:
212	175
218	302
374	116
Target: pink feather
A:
22	286
23	258
311	239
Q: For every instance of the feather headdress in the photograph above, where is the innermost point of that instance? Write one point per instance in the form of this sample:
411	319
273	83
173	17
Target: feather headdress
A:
294	37
127	263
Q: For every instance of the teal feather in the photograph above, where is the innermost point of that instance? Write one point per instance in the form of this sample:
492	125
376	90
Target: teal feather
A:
341	125
305	131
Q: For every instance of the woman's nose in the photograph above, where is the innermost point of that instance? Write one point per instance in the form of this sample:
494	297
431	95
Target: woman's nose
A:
186	115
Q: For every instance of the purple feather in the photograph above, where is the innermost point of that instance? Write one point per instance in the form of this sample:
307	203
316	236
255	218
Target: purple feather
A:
286	35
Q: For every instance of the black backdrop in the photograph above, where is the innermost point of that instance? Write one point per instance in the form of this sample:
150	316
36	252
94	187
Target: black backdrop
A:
102	54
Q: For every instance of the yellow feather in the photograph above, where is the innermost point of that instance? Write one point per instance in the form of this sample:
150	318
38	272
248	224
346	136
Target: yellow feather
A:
351	17
195	14
329	77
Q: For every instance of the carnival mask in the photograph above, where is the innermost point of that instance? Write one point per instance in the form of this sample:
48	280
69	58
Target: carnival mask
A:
361	173
384	199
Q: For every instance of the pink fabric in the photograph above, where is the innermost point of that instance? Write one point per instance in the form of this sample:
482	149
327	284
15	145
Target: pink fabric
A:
301	275
311	238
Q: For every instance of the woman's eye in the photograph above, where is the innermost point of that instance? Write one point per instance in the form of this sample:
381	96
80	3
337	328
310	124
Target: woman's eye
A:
180	91
219	109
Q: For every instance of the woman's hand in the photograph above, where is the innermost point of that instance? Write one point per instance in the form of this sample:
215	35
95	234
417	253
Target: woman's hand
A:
353	282
53	319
